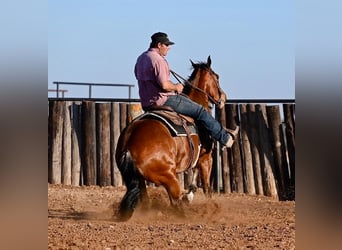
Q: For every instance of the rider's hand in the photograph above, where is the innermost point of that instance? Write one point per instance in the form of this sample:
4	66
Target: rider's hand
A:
179	88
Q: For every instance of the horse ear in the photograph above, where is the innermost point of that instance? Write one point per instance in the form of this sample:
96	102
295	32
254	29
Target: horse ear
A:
209	61
192	63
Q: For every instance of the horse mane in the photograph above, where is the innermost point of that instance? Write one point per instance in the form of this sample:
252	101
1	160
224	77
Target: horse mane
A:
195	67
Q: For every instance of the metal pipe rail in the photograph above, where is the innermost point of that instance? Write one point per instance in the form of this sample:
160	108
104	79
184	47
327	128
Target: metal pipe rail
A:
60	90
130	86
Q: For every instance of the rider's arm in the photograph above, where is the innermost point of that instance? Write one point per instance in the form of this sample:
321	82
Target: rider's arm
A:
169	86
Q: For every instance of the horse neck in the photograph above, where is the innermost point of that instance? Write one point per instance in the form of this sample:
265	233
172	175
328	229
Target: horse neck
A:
196	95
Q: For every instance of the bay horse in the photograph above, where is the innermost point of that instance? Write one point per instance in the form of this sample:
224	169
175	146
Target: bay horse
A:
147	151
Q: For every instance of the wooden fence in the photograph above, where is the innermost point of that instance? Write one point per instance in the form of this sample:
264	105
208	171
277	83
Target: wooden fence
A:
82	137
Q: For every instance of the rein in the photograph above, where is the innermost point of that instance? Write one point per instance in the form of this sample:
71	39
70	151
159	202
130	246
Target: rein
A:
177	76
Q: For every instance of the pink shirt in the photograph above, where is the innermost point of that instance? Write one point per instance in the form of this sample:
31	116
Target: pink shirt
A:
151	69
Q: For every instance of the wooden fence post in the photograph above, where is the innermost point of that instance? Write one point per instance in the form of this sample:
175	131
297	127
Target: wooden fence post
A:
123	115
266	158
235	156
277	141
76	144
290	142
89	139
216	163
221	116
114	136
246	151
66	151
55	135
216	168
103	144
254	143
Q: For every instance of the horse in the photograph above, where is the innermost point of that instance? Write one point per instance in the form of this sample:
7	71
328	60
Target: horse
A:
147	151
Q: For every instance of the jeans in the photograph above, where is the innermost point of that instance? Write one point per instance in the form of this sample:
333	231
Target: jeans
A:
185	106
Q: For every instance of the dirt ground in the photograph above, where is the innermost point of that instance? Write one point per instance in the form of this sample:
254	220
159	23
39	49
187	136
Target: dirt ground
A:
84	218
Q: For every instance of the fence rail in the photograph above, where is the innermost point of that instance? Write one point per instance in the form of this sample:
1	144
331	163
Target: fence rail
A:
90	85
83	135
62	91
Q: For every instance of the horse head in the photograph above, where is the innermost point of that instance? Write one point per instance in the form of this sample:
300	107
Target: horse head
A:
205	88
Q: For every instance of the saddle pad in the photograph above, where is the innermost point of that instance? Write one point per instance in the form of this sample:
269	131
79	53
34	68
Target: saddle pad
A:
174	126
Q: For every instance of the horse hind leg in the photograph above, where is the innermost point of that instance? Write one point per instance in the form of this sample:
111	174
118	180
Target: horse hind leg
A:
173	189
128	203
144	199
188	195
194	175
132	181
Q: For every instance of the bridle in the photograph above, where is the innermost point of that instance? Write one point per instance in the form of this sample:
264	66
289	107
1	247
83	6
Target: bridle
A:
177	76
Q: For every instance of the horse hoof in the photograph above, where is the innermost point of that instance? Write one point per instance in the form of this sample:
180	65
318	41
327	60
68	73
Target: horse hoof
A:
187	198
192	188
190	196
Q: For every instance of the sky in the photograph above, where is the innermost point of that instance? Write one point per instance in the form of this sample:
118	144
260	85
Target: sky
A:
251	43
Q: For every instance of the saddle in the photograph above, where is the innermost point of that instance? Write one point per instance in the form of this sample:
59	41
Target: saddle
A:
178	124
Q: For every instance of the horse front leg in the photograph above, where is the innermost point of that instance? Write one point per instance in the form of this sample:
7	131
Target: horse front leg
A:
205	166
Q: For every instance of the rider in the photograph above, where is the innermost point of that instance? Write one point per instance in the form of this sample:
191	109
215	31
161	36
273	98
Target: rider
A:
155	88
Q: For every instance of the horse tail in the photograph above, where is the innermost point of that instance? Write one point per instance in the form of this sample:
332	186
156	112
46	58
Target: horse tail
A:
131	179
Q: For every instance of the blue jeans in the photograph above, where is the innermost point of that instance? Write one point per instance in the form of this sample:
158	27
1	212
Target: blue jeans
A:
185	106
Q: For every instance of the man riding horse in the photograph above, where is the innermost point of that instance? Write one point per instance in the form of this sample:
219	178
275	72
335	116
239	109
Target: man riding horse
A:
155	89
148	151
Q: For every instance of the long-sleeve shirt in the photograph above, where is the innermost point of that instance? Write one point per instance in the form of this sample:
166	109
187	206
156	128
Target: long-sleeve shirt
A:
151	69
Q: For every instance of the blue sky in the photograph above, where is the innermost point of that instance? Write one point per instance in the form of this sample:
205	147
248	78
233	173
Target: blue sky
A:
251	43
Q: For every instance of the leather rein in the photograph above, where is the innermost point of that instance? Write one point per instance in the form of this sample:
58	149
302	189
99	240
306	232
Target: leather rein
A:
177	76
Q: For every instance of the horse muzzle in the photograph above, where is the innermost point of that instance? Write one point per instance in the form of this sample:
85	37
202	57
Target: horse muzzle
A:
222	101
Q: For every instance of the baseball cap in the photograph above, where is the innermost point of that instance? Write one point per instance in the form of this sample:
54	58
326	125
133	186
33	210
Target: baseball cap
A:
161	37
